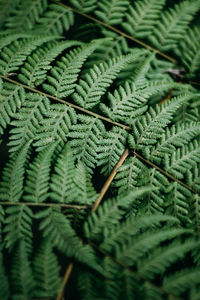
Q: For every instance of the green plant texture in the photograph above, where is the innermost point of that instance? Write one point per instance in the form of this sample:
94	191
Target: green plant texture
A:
100	150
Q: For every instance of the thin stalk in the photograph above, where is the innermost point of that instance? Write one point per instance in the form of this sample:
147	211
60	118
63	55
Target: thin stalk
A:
162	171
88	112
94	208
109	180
119	32
45	204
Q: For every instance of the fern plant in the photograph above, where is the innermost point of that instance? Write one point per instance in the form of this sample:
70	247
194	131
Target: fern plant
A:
86	107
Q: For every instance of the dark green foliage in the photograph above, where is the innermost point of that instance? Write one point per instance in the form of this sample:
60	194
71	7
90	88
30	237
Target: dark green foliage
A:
75	95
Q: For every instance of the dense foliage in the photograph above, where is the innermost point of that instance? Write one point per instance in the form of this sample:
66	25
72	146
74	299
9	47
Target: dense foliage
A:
81	82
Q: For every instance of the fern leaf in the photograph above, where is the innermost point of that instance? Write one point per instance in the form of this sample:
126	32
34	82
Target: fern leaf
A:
10	37
111	148
11	99
98	79
135	248
70	184
46	271
13	56
27	120
126	103
109	214
55	20
62	185
22	278
159	261
111	12
175	136
131	227
142	16
4	283
37	183
85	6
65	73
86	136
150	127
177	202
11	185
131	174
173	24
62	235
188	50
87	285
193	178
6	7
55	125
34	71
183	159
181	281
26	14
86	191
18	227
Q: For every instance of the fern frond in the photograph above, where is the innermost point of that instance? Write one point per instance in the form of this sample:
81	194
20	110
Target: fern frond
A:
55	20
11	99
10	37
111	12
14	55
193	178
131	174
142	16
150	127
55	124
182	159
46	271
84	5
61	83
87	285
109	214
126	103
177	202
4	283
165	256
85	139
57	228
27	120
110	149
172	25
62	184
188	50
26	14
34	70
11	185
131	227
86	192
22	278
175	136
37	182
137	247
18	227
99	78
6	7
182	281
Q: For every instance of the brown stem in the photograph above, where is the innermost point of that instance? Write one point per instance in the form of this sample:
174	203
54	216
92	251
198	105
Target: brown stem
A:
95	206
45	204
120	32
88	112
110	179
162	171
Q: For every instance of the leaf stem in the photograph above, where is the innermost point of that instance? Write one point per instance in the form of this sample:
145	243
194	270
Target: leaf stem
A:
119	32
67	103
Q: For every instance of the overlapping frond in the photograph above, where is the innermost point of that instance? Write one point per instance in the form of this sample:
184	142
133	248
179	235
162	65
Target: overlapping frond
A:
142	16
11	99
46	271
27	121
111	12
